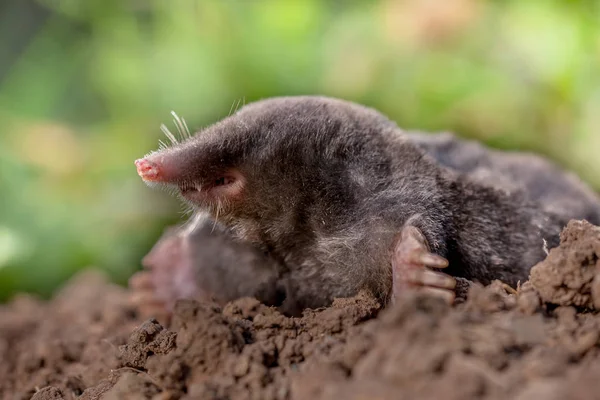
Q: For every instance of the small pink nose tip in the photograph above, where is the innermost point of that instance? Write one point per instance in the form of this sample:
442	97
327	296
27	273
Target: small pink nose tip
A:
148	170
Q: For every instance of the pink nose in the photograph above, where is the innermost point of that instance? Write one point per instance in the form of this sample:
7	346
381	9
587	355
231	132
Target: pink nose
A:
148	170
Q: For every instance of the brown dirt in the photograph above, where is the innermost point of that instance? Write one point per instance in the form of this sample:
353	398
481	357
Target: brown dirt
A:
542	341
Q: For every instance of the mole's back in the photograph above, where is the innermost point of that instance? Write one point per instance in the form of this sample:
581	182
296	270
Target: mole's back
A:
557	191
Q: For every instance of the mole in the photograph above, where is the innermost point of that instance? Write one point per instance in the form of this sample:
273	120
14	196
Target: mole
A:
299	200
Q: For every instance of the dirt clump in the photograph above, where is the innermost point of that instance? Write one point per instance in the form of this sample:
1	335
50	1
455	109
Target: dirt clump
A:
540	340
48	393
570	275
68	343
245	350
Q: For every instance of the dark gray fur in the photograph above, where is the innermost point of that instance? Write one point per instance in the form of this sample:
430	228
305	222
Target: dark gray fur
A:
551	187
228	268
330	184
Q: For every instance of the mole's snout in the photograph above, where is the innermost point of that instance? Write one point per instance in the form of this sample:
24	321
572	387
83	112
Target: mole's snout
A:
149	171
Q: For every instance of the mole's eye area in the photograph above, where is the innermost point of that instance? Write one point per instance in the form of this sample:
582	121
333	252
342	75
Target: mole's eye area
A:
224	180
227	186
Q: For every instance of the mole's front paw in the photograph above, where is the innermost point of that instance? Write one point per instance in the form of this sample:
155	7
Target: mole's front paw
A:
143	297
411	261
169	275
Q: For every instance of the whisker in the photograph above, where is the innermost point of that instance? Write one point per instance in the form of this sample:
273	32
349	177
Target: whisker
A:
179	125
152	185
216	216
168	133
231	109
192	224
172	190
176	125
187	130
187	210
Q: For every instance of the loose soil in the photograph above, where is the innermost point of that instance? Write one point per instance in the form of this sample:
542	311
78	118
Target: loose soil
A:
541	340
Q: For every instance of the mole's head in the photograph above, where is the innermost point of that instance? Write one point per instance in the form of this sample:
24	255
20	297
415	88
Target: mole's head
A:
275	162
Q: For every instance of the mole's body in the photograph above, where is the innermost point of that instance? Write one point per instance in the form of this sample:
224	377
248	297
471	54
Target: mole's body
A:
543	182
317	198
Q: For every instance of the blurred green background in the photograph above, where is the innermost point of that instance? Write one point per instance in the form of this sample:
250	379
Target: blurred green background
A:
84	86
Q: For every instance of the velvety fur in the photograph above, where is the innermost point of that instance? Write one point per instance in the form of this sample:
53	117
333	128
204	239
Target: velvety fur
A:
330	184
543	182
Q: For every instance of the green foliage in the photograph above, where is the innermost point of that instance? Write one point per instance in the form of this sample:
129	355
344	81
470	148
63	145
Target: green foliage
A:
86	95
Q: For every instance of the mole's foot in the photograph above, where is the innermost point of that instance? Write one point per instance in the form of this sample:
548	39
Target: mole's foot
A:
169	275
143	297
411	263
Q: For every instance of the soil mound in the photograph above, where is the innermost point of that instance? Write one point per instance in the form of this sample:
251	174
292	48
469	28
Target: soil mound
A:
541	340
